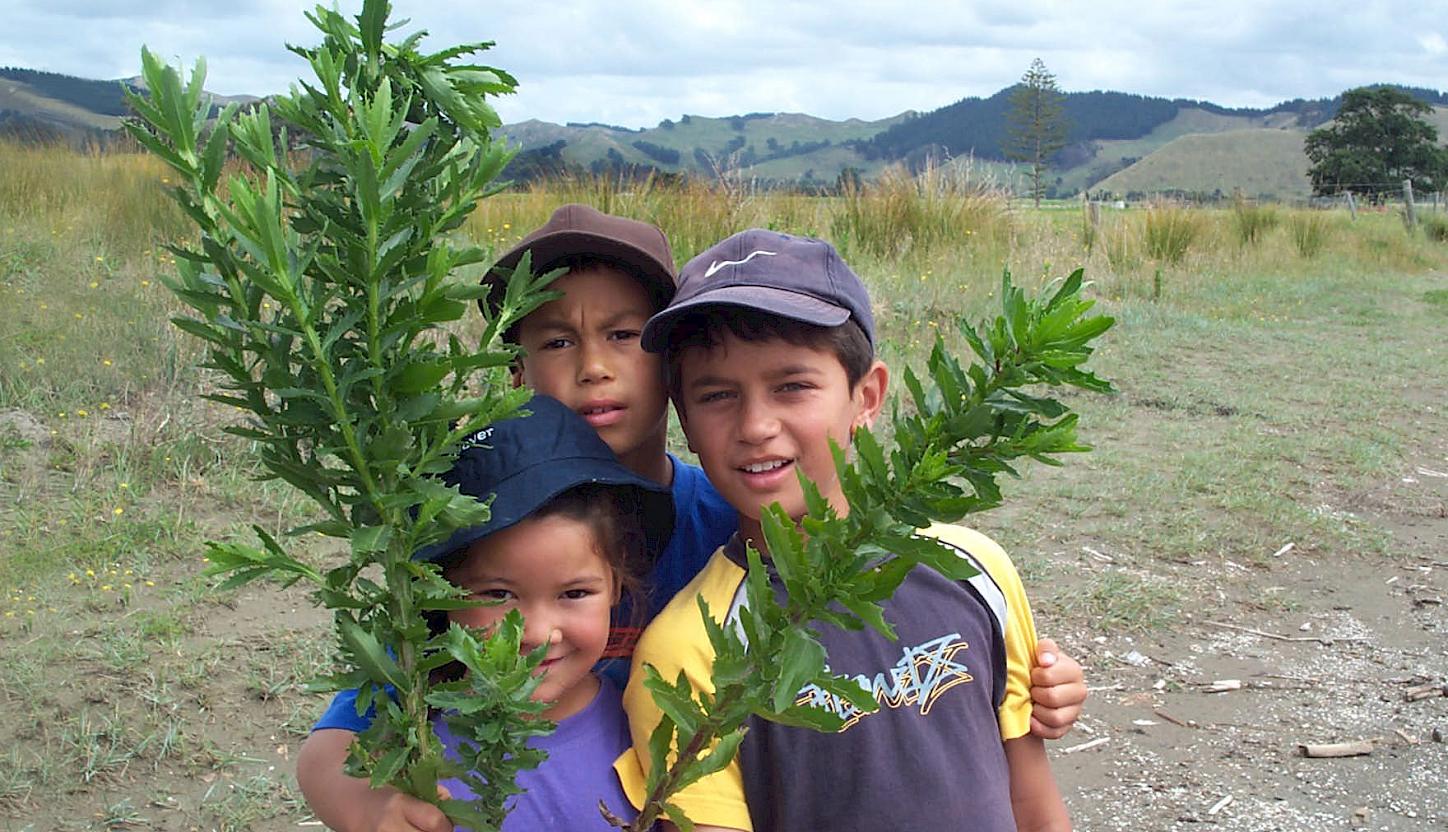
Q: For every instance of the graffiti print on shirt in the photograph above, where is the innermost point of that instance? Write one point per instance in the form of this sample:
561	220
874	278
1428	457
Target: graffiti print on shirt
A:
920	677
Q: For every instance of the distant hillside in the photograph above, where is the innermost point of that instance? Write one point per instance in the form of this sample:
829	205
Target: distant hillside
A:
977	126
1117	142
782	146
1257	162
98	97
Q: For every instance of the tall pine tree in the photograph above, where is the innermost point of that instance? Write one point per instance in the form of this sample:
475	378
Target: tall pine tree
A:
1036	127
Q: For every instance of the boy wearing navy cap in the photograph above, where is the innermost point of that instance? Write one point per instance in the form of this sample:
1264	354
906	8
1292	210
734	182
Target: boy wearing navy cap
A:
584	350
769	348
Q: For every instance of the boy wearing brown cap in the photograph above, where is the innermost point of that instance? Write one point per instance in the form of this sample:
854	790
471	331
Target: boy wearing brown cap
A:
769	344
584	350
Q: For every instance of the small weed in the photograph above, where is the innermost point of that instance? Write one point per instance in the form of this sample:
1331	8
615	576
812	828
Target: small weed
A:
1437	297
1118	600
121	815
17	781
98	748
237	806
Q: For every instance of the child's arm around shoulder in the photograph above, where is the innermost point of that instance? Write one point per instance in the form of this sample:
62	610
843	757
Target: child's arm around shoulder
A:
1035	798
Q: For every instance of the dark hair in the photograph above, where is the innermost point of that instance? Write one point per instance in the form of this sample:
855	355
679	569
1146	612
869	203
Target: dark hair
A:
585	262
703	329
614	516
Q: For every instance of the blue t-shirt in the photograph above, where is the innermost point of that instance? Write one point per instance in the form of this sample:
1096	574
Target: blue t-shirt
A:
563	792
703	522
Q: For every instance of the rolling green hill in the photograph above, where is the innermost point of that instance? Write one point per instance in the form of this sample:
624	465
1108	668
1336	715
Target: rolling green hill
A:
1258	162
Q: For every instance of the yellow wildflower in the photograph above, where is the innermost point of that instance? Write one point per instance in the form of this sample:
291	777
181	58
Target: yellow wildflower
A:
118	511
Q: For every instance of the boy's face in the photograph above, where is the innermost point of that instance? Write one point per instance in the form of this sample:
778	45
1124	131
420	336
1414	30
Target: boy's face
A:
758	412
583	349
550	569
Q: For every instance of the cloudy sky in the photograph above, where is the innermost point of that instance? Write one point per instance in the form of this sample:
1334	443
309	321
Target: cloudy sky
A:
635	63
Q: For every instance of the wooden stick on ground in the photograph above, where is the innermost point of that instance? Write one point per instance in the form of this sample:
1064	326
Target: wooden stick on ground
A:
1173	720
1356	748
1083	746
1323	640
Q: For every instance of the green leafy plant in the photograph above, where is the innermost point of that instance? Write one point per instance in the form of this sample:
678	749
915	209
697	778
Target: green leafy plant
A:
321	289
964	426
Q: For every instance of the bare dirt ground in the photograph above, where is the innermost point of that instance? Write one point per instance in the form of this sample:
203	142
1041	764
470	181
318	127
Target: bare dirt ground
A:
181	710
1314	650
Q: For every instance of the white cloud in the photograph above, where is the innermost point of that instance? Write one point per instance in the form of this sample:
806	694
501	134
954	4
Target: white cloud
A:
635	63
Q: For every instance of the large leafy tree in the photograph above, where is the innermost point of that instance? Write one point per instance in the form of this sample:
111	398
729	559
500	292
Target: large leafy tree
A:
1381	136
1036	125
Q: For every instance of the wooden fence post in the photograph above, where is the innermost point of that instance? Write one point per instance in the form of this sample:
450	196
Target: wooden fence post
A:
1410	216
1351	205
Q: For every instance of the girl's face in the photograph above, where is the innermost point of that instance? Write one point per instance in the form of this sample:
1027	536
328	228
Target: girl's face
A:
551	570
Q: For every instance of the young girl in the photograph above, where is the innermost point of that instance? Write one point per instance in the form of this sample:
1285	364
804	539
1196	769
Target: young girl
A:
569	529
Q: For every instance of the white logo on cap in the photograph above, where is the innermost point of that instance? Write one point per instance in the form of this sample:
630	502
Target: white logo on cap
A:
477	440
716	265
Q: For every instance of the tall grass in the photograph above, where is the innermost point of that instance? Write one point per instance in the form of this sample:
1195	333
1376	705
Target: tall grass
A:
1171	229
1309	232
115	199
900	215
1435	228
697	213
1251	220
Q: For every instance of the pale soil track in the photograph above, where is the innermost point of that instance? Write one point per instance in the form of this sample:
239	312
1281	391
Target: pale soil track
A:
1235	763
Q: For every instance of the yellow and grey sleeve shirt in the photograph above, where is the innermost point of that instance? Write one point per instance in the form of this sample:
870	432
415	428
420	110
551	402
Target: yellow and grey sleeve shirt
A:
955	684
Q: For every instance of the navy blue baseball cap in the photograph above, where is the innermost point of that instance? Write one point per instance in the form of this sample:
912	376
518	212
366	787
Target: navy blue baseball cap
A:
523	463
799	278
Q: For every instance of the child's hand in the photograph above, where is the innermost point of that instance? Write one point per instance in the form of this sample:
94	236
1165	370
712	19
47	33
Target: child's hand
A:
1058	688
389	810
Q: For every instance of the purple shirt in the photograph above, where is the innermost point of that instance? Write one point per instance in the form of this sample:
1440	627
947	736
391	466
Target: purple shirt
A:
563	792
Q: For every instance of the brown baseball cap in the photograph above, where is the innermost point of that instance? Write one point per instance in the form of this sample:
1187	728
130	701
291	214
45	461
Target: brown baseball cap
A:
577	230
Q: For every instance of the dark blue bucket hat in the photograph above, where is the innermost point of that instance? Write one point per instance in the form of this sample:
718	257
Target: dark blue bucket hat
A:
525	462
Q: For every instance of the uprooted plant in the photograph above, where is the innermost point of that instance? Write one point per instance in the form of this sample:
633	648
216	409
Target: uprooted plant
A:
321	289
